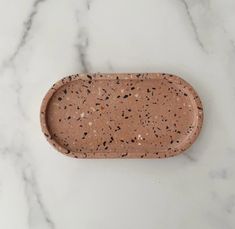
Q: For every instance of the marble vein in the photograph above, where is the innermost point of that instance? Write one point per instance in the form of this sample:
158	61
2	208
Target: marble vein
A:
231	41
16	152
83	38
18	90
26	30
17	85
82	51
219	174
31	190
193	25
231	204
189	157
88	4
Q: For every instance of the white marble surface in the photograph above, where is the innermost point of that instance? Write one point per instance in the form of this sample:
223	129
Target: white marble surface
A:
44	40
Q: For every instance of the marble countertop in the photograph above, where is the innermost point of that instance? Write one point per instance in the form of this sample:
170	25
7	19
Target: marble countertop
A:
42	41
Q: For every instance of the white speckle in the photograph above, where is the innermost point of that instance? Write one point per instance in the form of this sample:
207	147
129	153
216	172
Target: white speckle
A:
89	123
82	114
94	131
155	117
177	98
122	91
99	91
139	136
184	104
139	143
67	98
92	108
136	95
189	105
147	134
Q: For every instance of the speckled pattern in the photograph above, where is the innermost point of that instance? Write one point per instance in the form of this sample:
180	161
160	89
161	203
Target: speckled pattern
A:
148	115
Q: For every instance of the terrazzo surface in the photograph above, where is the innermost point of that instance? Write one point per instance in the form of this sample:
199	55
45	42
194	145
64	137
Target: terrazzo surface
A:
121	115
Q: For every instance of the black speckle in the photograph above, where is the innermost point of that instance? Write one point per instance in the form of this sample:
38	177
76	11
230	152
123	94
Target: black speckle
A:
185	94
89	77
125	96
132	88
117	78
84	135
111	140
65	91
69	117
118	128
59	98
68	151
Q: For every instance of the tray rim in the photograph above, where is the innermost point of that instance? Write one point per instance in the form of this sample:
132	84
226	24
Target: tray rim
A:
121	76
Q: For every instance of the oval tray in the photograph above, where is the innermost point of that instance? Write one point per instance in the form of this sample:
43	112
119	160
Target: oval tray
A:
139	115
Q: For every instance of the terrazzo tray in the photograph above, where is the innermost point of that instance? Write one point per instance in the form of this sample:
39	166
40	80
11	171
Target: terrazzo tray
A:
141	115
